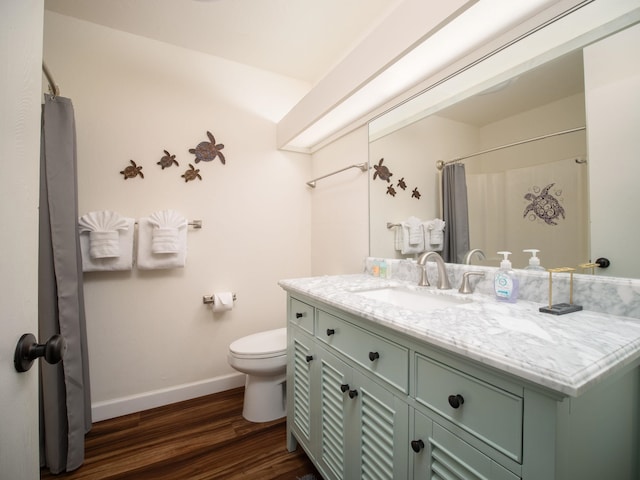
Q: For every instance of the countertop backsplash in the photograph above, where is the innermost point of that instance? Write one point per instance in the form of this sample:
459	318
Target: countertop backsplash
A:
612	295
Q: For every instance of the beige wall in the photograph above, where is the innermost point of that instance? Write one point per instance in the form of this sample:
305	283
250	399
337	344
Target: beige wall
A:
151	340
340	213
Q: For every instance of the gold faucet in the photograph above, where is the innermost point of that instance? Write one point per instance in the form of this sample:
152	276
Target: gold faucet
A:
443	280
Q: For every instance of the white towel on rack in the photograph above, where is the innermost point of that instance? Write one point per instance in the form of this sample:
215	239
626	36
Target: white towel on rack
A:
166	231
103	228
434	234
124	261
416	233
411	231
149	260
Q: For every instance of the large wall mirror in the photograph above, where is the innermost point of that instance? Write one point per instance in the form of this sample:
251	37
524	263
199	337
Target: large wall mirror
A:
542	170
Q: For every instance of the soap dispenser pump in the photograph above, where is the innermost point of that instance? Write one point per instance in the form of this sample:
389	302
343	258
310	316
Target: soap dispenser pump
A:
534	261
506	283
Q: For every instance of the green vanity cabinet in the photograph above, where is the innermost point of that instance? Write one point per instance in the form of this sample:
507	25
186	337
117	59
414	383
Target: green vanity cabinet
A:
349	424
366	401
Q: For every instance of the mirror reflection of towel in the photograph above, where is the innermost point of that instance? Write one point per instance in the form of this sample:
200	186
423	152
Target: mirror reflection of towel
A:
434	234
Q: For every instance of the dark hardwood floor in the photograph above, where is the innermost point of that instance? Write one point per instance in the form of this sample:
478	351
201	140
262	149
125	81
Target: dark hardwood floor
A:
201	439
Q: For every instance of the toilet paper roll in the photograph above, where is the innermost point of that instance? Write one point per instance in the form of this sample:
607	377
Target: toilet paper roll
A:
222	301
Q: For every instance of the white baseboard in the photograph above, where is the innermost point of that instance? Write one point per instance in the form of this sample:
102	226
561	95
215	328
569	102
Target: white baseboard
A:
157	398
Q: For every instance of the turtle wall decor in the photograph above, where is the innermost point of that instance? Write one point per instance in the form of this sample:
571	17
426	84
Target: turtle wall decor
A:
132	171
191	174
382	171
402	184
167	160
543	206
391	191
415	193
208	151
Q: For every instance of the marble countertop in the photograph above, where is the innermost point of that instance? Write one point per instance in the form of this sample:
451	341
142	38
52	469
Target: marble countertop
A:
566	354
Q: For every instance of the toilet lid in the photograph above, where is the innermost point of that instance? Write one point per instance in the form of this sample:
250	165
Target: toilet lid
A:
271	343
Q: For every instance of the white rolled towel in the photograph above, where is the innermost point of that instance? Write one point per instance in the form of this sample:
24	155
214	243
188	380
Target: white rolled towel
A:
103	228
165	236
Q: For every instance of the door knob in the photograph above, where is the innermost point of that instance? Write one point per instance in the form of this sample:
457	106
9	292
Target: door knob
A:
28	349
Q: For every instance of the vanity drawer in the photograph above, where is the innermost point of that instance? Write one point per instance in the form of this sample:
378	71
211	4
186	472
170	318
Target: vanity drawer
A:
301	315
385	359
490	413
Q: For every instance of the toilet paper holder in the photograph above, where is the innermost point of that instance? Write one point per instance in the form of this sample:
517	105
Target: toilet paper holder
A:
211	300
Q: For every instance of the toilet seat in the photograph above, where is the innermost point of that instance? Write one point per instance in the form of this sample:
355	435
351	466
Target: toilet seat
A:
269	344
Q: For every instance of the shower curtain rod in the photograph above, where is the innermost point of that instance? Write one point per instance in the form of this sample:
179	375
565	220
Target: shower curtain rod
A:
440	163
53	88
362	166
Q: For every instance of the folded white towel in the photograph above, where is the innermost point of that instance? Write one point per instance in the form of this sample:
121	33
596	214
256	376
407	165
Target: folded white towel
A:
416	233
147	259
124	260
166	231
434	234
398	237
103	228
406	247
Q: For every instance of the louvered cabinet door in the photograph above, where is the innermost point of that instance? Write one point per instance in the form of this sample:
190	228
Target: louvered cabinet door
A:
301	400
437	454
383	430
338	407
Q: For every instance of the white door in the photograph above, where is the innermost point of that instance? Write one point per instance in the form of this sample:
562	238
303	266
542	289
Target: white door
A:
21	30
612	94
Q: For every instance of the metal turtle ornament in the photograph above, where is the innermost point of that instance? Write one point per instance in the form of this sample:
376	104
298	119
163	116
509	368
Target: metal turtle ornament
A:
544	206
191	174
382	171
132	170
208	151
168	160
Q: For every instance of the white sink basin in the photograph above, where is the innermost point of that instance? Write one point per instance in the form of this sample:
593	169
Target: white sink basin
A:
419	299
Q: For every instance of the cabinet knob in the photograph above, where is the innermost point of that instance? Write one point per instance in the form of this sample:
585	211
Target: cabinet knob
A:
417	445
308	358
330	331
353	393
344	387
300	315
456	400
373	356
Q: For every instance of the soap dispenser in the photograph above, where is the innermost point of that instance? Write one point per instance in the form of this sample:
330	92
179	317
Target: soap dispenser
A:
506	282
534	261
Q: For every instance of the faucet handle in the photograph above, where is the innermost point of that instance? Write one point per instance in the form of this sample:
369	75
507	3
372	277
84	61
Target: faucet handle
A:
424	279
465	286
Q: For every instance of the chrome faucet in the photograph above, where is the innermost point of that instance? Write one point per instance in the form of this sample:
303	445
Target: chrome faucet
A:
443	280
470	253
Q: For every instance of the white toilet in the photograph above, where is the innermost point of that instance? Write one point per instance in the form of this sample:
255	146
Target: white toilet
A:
263	357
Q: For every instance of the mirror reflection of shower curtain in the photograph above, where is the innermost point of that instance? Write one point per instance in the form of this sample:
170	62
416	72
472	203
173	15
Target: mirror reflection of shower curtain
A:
502	218
455	213
65	400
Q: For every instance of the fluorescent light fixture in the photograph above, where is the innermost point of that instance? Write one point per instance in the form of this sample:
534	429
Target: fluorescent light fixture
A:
476	25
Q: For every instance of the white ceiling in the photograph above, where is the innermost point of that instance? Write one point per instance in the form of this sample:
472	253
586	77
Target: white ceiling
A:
301	39
547	83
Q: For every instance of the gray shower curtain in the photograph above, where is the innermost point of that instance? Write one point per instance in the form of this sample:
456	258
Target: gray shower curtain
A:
455	213
65	397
